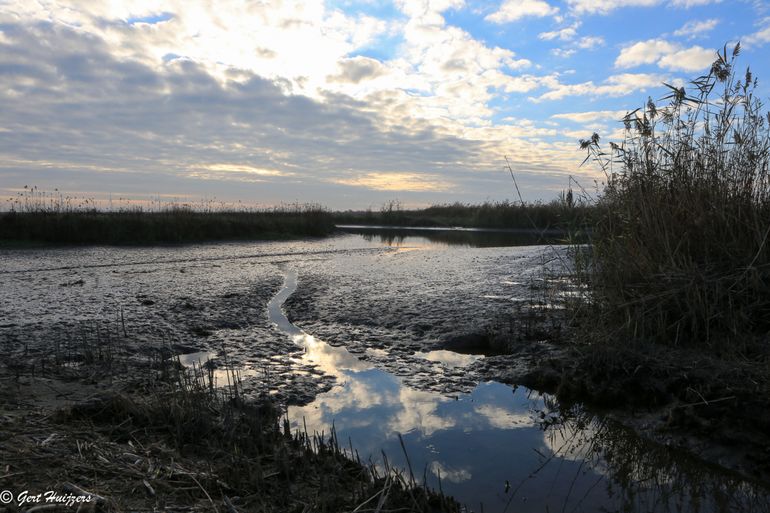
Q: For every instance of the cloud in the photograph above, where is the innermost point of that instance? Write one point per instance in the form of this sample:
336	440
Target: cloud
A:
607	6
694	28
85	110
760	37
513	10
644	52
357	69
397	181
616	85
590	116
295	106
590	42
690	59
568	34
665	55
564	53
693	3
563	34
238	172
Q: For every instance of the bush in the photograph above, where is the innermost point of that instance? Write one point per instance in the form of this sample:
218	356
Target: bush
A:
680	248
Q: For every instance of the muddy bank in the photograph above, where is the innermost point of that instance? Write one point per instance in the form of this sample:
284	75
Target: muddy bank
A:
419	329
714	407
155	437
395	308
717	408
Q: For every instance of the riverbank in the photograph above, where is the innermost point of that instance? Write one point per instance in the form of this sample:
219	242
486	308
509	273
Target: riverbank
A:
560	215
154	435
174	225
711	406
100	310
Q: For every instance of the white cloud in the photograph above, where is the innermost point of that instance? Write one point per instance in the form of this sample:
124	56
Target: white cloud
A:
606	6
616	85
693	3
665	55
644	52
690	59
564	34
590	42
564	53
694	28
591	116
246	105
397	181
513	10
761	36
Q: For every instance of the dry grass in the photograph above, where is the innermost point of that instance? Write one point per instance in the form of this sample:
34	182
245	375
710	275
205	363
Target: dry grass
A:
147	434
680	251
37	216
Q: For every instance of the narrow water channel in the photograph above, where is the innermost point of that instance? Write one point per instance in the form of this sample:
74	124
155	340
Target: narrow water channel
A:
502	449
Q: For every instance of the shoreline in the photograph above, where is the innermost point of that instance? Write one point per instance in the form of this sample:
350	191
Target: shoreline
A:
534	364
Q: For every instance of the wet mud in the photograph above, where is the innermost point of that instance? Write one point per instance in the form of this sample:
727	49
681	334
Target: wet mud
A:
419	325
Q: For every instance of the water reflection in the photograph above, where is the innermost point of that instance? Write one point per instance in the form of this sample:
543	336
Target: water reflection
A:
641	476
478	238
449	358
503	449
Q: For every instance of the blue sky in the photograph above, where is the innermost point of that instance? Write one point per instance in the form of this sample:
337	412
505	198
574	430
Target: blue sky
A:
345	103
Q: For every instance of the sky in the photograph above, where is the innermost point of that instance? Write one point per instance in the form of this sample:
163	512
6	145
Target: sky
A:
345	103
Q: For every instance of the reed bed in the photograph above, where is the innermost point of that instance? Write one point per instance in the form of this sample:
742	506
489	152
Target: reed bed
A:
680	252
560	213
37	216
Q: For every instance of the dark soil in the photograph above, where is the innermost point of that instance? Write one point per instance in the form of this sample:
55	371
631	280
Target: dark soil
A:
714	407
144	443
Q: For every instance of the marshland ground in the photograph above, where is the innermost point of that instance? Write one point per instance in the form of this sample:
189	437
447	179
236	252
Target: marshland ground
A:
616	361
414	335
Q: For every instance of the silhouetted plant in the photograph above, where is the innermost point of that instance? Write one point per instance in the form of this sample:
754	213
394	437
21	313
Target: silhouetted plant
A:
680	246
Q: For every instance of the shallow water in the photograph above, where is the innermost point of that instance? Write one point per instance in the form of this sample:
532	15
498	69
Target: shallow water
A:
499	448
362	349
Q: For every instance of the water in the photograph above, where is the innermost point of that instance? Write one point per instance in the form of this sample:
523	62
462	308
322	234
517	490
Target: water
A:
499	448
367	312
472	237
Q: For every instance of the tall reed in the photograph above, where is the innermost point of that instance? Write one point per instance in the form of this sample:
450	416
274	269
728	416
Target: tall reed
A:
680	246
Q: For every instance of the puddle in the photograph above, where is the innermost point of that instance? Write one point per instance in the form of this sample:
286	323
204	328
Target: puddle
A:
198	358
501	449
203	361
449	358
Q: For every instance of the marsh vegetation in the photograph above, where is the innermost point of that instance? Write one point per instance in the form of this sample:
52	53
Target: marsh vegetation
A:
409	340
680	250
43	217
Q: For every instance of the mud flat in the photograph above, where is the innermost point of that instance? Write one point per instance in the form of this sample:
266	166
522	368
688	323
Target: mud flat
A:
394	344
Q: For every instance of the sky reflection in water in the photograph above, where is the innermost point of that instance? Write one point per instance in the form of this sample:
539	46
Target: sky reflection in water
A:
510	449
475	443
